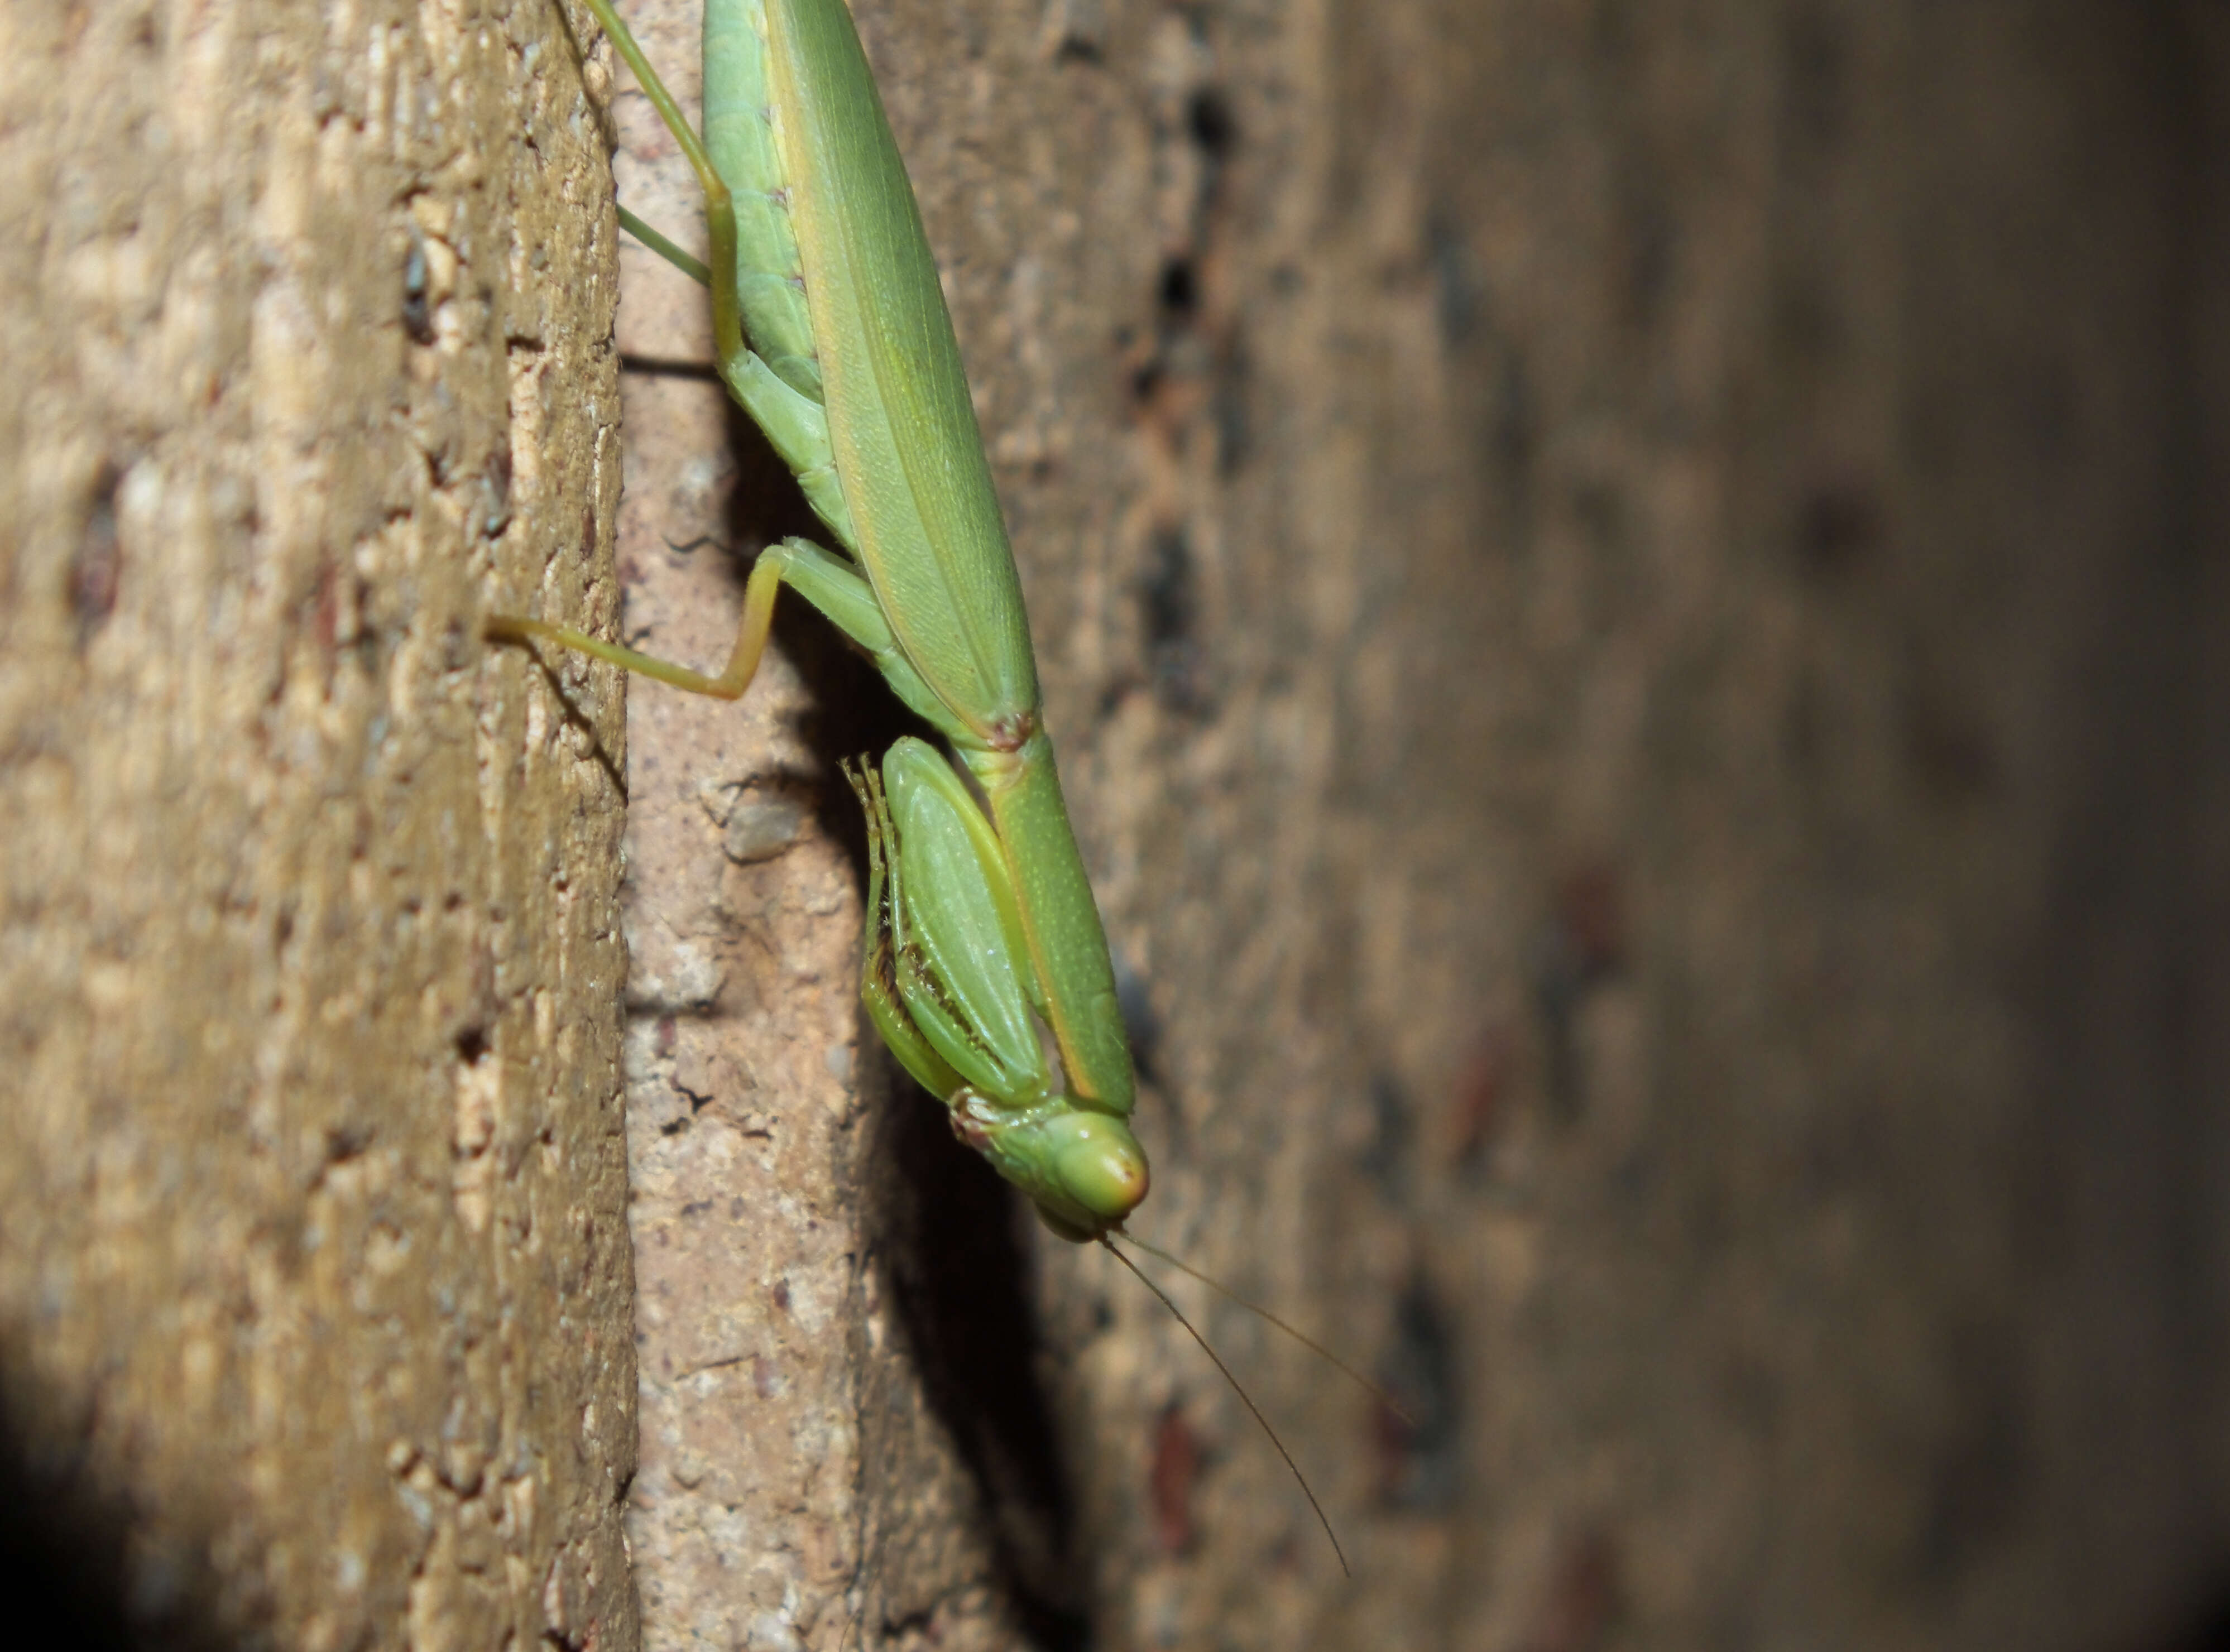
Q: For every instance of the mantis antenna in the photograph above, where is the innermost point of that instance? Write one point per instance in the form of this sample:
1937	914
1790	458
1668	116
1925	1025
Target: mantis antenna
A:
1307	1341
1253	1410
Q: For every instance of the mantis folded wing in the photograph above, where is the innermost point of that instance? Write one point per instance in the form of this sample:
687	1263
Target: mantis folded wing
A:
832	334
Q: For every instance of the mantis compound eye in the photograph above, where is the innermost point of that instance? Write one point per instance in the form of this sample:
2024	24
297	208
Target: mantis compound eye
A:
1099	1165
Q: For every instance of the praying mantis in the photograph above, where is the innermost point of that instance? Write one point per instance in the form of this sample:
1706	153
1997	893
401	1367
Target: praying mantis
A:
831	331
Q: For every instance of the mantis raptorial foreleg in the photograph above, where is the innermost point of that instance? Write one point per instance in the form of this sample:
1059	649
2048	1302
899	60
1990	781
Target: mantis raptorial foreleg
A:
947	981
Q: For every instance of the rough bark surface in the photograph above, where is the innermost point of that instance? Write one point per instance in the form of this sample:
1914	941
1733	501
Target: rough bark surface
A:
1619	589
314	1282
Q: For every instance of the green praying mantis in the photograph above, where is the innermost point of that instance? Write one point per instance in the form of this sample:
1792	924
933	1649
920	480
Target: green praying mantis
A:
832	332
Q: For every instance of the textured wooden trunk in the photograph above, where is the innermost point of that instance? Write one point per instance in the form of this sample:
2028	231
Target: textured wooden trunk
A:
1632	602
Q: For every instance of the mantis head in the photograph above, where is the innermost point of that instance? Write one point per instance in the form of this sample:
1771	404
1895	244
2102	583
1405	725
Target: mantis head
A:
1083	1170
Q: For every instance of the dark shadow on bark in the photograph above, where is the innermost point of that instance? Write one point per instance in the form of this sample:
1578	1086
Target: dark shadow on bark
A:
945	1228
957	1271
80	1573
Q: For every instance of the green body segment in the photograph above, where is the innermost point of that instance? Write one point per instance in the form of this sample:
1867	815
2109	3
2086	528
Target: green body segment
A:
1061	919
770	276
929	532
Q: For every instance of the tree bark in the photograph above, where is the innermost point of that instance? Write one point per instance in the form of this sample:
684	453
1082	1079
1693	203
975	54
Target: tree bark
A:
314	1286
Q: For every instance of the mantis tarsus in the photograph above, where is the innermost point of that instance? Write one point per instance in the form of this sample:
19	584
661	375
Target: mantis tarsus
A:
832	332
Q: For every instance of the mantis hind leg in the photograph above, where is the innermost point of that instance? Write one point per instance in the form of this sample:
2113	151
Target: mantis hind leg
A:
743	660
839	590
665	246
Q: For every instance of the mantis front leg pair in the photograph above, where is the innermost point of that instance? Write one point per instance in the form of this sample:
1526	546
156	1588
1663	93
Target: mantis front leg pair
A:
946	978
832	332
